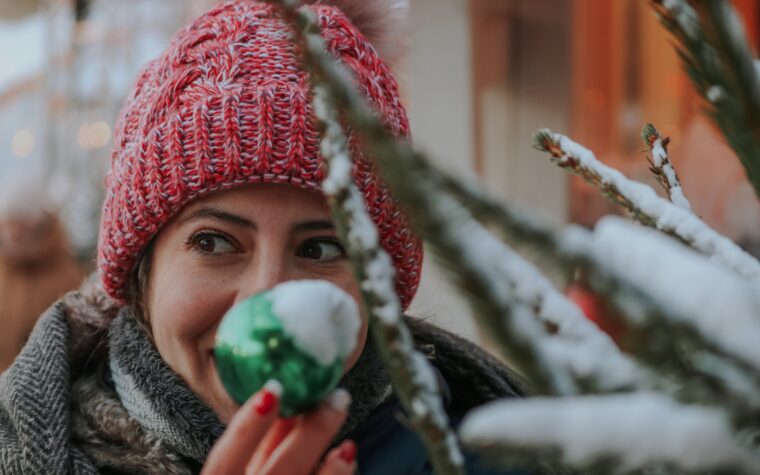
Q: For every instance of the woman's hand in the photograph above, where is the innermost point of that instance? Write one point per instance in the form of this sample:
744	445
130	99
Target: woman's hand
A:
258	442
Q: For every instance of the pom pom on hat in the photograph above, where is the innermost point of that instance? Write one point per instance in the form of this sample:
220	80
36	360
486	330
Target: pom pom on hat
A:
385	23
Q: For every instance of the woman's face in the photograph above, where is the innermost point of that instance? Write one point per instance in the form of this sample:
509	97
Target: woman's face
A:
222	249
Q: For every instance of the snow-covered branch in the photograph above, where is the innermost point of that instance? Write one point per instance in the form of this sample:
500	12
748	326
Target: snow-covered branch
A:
515	321
690	286
476	261
661	333
408	173
649	313
411	373
575	344
642	201
693	299
659	163
691	319
615	434
513	316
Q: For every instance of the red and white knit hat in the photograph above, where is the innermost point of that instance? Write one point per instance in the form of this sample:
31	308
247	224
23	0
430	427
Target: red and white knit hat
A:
228	104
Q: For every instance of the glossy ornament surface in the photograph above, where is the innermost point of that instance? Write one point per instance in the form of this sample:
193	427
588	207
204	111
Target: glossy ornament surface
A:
254	345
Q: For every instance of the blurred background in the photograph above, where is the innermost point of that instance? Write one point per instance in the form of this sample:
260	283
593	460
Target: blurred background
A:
479	78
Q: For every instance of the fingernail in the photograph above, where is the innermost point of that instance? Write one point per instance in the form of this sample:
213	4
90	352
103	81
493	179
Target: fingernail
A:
348	451
274	387
267	397
339	400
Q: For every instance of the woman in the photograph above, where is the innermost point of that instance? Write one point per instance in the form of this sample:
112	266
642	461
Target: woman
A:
213	196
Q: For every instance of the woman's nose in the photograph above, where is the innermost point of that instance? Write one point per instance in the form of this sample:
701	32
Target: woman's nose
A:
268	268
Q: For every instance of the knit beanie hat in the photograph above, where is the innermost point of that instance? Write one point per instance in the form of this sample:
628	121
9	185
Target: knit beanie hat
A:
228	104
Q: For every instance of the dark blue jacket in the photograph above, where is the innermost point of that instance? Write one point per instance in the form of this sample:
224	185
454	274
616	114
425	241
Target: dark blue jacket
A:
468	377
387	447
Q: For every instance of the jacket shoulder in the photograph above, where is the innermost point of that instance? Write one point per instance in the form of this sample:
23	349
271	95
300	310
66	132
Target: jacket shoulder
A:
473	376
387	445
469	376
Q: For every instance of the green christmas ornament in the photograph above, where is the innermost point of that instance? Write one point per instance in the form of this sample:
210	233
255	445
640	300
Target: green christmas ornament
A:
298	333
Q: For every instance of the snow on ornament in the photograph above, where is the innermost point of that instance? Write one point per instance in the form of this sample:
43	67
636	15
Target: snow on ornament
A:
299	333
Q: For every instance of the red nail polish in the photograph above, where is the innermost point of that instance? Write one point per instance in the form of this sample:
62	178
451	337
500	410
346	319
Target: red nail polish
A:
348	452
265	403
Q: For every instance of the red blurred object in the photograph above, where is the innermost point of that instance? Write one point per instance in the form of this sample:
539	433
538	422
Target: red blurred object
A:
596	309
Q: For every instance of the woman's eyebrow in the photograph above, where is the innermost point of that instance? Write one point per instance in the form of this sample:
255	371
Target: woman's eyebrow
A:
219	215
318	225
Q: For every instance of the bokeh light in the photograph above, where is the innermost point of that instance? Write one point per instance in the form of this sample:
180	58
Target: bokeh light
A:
23	143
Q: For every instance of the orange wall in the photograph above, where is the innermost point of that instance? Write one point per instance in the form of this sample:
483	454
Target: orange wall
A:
624	75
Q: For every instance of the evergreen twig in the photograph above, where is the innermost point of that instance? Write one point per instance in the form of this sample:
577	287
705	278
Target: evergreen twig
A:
598	434
661	337
644	204
411	374
546	141
659	164
670	344
714	51
464	248
387	151
405	170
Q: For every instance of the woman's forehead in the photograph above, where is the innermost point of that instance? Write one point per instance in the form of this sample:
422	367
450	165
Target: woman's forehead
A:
286	201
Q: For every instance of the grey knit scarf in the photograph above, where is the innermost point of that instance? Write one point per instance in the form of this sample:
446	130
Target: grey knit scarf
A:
160	401
35	435
155	396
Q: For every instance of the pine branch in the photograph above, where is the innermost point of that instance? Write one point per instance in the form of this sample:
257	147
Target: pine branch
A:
509	319
659	164
573	336
546	141
603	434
714	51
644	204
569	336
661	336
473	258
412	376
405	171
665	330
664	335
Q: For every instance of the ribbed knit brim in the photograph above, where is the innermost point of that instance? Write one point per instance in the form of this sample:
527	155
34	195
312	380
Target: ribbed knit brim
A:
228	104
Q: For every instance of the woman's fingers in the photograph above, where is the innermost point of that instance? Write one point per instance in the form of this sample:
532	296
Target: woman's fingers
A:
257	442
274	437
232	452
340	461
303	448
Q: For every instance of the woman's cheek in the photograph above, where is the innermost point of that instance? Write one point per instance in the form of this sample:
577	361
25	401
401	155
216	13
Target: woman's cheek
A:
186	307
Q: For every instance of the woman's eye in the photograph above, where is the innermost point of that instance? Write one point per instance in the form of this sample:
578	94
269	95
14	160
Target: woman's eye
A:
323	250
210	243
